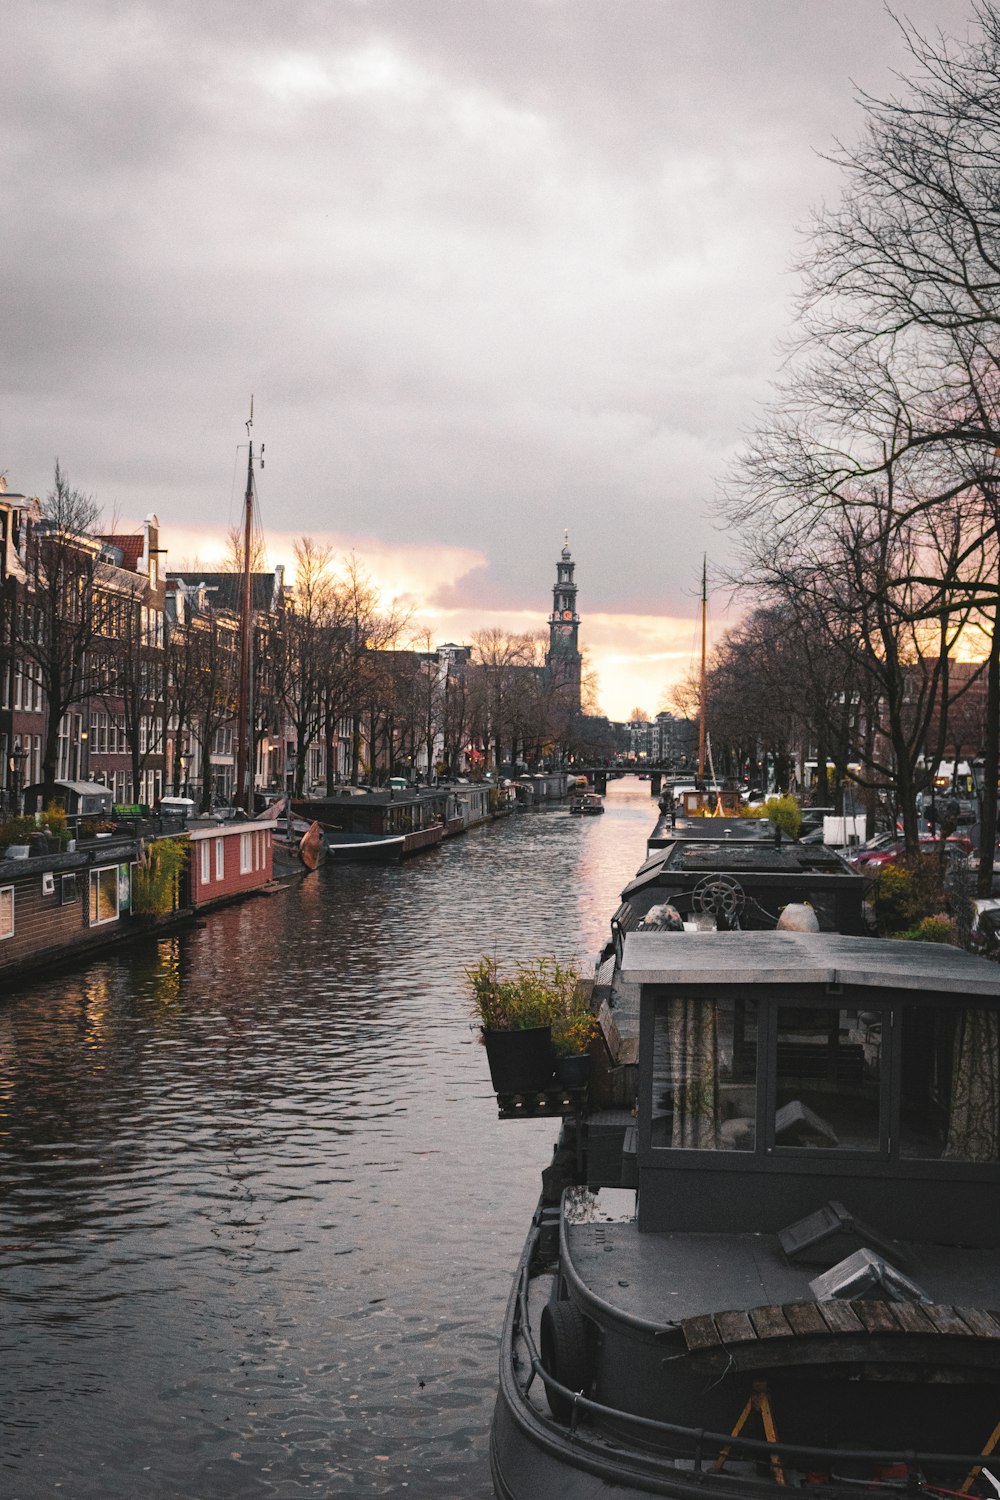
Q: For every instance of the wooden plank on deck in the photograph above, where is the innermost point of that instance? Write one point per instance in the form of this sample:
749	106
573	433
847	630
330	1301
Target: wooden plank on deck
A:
979	1322
875	1316
735	1328
804	1317
911	1318
840	1317
699	1333
944	1318
770	1323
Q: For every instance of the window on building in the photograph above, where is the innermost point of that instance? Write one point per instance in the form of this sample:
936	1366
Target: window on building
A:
206	863
104	895
6	911
246	853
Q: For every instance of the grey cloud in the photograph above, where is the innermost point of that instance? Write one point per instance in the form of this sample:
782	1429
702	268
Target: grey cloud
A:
490	269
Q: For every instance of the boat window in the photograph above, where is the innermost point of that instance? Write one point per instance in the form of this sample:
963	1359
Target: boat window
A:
950	1093
704	1074
827	1079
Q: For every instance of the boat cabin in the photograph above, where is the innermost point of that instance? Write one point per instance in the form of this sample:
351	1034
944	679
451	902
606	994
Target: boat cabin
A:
778	1071
729	883
374	813
712	803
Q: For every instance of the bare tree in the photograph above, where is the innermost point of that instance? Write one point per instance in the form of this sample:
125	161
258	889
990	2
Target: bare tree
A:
56	619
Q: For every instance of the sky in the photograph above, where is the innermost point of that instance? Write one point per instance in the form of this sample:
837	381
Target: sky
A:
492	270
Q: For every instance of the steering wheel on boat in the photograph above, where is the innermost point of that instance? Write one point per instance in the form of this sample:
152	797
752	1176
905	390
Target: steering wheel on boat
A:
719	896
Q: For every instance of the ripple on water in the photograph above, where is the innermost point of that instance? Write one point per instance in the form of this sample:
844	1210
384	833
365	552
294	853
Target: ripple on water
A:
259	1219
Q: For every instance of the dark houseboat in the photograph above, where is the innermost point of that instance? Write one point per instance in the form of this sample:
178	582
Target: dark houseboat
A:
773	1261
374	825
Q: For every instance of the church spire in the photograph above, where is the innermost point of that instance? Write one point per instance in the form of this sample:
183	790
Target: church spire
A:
563	659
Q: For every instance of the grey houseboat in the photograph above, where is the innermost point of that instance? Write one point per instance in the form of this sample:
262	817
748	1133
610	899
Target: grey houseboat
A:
782	1268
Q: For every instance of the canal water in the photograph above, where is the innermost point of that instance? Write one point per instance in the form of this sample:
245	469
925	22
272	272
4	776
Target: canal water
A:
258	1217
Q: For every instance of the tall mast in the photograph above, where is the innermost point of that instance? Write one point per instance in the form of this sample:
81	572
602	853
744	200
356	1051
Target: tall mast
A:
243	712
701	694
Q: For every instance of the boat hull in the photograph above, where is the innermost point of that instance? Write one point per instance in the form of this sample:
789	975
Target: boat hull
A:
381	848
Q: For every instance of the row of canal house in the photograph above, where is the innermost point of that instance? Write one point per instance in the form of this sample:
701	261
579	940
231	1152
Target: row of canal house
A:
144	644
154	656
60	904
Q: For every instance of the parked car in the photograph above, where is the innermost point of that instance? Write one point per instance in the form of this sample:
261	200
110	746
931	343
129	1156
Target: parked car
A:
874	856
984	934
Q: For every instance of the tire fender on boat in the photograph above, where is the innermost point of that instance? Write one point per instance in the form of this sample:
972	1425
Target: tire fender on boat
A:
565	1354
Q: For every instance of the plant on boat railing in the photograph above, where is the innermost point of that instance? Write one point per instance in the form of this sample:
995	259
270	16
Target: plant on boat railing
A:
16	831
573	1033
159	868
536	993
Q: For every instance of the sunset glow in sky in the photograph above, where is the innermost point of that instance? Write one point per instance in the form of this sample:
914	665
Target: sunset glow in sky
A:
489	269
634	656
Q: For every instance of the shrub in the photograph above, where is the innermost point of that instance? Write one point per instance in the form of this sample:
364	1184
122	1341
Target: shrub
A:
784	813
937	929
154	888
906	893
55	817
17	831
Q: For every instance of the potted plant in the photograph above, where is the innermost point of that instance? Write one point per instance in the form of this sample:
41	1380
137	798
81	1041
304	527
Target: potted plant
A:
516	1012
572	1034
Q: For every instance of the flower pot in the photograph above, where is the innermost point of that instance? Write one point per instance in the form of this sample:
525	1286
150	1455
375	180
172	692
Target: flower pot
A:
574	1072
520	1061
16	851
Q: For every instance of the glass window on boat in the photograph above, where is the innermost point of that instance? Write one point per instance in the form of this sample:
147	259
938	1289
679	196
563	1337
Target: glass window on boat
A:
828	1077
705	1074
950	1089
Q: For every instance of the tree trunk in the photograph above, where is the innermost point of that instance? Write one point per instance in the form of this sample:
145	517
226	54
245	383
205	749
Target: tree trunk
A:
207	787
355	748
991	761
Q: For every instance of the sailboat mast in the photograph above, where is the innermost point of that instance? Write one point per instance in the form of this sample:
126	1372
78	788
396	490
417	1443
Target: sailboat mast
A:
701	693
243	710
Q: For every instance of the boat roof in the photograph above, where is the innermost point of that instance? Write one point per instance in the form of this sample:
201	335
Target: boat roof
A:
745	830
752	958
700	856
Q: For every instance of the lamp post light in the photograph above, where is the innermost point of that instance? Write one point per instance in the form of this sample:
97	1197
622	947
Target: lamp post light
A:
16	761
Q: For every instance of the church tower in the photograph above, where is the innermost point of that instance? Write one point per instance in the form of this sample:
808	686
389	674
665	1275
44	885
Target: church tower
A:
564	660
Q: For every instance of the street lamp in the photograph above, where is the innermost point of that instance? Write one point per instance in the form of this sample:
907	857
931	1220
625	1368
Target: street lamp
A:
16	761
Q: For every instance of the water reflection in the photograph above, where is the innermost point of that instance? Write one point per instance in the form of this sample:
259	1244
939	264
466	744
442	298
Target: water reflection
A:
259	1217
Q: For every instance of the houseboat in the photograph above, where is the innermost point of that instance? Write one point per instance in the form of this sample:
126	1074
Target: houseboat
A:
741	873
778	1267
228	860
387	825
